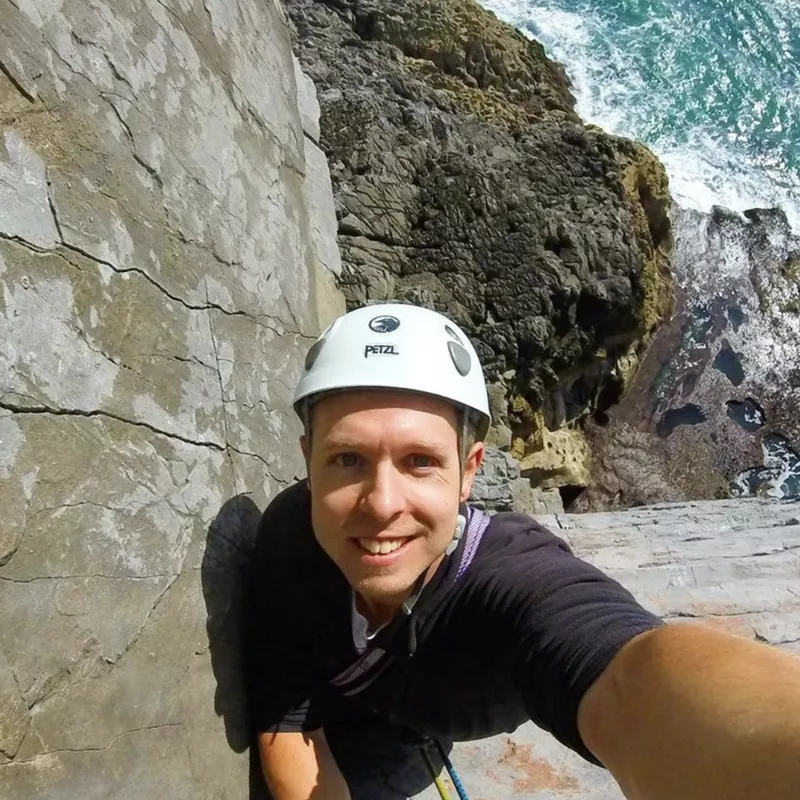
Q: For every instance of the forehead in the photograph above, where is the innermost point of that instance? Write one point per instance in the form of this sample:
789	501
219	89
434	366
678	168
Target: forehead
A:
375	406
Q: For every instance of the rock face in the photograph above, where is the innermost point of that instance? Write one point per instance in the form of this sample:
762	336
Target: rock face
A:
499	486
167	253
734	565
715	408
464	180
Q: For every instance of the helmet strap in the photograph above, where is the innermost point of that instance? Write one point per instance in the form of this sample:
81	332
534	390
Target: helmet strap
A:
463	441
416	591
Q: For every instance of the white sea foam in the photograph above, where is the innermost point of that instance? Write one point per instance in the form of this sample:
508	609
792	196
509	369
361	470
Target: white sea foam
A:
702	175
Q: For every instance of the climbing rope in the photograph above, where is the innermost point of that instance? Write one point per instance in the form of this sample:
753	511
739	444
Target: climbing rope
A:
437	779
462	793
438	782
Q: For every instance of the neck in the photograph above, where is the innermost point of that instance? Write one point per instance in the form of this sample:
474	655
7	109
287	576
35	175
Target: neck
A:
376	613
379	612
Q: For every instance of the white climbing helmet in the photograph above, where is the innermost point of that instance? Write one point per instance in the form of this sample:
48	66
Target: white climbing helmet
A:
396	346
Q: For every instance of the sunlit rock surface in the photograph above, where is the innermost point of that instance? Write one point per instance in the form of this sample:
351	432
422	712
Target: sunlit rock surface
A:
167	254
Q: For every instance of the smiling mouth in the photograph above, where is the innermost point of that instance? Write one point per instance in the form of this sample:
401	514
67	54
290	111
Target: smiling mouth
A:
382	546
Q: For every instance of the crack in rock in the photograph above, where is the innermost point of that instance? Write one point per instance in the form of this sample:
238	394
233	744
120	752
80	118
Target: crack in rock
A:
144	729
149	168
113	662
74	412
257	319
98	575
695	615
31	98
223	72
89	658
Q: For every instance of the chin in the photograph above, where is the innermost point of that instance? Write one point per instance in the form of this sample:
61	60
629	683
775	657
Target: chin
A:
387	590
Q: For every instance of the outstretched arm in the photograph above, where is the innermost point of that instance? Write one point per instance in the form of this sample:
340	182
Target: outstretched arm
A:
688	712
300	766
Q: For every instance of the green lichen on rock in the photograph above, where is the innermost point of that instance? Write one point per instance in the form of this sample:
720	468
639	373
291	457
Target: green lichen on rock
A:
549	458
528	424
647	187
791	269
491	104
791	275
778	292
563	460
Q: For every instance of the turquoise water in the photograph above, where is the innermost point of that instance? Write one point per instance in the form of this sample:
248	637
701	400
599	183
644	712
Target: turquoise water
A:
712	86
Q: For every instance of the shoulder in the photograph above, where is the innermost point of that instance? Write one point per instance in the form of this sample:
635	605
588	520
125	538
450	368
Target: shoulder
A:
293	500
512	534
525	564
288	565
517	558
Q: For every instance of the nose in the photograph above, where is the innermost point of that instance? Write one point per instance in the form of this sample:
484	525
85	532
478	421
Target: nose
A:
382	497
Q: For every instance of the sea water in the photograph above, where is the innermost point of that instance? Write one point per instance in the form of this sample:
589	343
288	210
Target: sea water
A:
711	86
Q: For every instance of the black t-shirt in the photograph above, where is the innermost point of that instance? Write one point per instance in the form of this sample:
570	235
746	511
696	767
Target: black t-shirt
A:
521	633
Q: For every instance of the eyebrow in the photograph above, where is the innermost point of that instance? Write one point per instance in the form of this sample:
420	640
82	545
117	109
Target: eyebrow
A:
340	444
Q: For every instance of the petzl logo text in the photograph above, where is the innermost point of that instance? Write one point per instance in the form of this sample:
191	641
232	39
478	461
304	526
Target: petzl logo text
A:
380	350
384	324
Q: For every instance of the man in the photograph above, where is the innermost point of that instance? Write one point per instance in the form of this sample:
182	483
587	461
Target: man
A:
375	586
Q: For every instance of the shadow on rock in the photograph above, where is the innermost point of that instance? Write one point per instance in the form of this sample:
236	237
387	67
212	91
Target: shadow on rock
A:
226	561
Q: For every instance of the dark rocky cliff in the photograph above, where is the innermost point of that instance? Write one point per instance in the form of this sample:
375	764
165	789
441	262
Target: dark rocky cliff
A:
465	180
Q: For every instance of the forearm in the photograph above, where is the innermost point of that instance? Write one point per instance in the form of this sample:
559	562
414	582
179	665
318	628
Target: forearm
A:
300	766
693	713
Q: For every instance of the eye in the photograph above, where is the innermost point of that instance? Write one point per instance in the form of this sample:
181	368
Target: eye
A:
421	461
347	460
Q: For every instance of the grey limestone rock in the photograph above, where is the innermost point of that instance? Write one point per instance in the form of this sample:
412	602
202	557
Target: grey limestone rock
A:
500	487
167	253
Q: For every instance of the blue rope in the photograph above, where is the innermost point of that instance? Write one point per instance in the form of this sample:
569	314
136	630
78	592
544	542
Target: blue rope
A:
462	792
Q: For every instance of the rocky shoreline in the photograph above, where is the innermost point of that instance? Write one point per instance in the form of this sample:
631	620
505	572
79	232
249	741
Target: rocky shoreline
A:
464	179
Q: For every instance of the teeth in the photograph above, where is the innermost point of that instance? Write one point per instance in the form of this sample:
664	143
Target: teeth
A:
383	546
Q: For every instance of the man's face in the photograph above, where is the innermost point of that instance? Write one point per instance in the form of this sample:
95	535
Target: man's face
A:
385	486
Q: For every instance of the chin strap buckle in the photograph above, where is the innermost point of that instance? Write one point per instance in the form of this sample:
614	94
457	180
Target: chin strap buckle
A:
461	526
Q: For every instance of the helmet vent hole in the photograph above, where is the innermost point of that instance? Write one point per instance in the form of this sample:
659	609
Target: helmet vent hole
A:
460	357
313	352
451	333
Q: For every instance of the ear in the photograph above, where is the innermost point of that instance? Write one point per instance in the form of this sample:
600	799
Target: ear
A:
471	465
